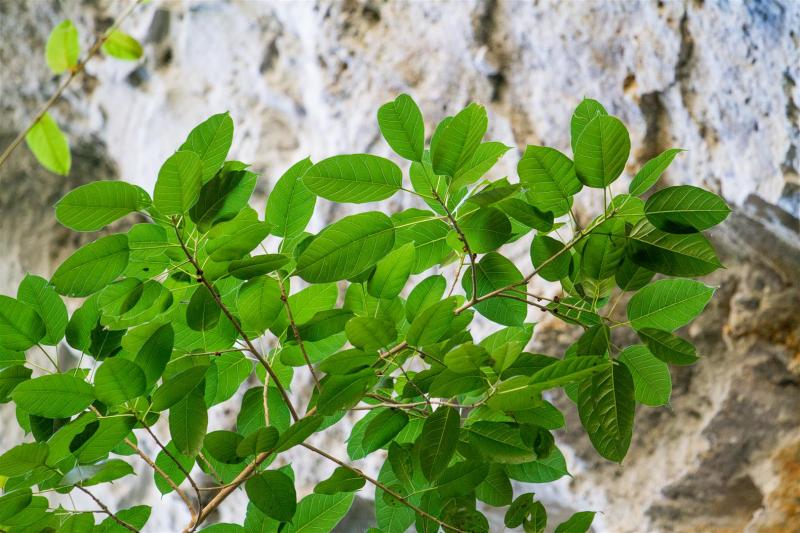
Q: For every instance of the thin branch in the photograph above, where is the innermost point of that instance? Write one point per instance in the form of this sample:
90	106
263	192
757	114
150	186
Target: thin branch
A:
107	511
296	332
383	487
463	238
251	348
174	460
74	73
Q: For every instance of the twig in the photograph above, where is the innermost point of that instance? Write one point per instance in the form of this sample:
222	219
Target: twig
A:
296	332
251	348
383	487
107	511
463	238
174	460
74	73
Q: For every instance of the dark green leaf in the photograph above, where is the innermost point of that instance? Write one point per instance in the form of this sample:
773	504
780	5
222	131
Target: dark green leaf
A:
20	325
40	295
461	478
222	197
482	160
583	114
261	440
259	265
606	406
273	493
578	523
495	489
485	229
14	502
342	480
178	184
496	272
320	513
603	250
178	387
11	377
370	333
298	432
567	371
548	257
259	303
527	214
223	446
438	440
392	272
383	428
500	442
675	255
290	204
188	420
432	323
23	458
651	379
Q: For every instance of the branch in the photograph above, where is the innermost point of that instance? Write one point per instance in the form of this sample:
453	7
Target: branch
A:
296	332
74	73
383	487
174	460
463	239
107	511
251	348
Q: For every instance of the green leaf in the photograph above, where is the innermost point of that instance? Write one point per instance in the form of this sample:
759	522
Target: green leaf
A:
447	384
178	387
583	114
461	478
261	440
92	266
651	171
392	272
273	493
211	140
228	371
48	143
202	313
602	151
14	502
320	513
548	265
11	377
87	475
383	428
543	470
136	517
252	267
78	523
20	325
62	48
290	204
344	391
495	489
603	250
400	122
93	206
668	304
494	272
356	178
120	45
298	432
427	292
685	209
486	229
438	440
568	371
606	407
632	277
178	184
675	255
550	177
651	379
223	197
346	248
36	395
466	358
342	480
324	324
500	442
118	380
484	158
459	139
370	333
527	214
259	303
668	347
155	352
223	445
432	323
233	239
578	523
188	420
428	235
23	458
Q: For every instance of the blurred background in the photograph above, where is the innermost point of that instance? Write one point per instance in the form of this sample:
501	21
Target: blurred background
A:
718	78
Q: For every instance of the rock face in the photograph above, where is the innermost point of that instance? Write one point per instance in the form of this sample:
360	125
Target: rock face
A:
717	78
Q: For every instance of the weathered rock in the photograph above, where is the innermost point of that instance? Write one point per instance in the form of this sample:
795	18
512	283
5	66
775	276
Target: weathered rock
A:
717	78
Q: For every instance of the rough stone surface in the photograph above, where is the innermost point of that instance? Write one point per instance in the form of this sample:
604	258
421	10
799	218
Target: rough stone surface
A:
718	78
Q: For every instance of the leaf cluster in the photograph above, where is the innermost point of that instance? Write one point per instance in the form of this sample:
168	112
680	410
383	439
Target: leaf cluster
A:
172	314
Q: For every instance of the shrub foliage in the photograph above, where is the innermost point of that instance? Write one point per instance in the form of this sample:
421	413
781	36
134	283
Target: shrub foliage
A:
206	303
